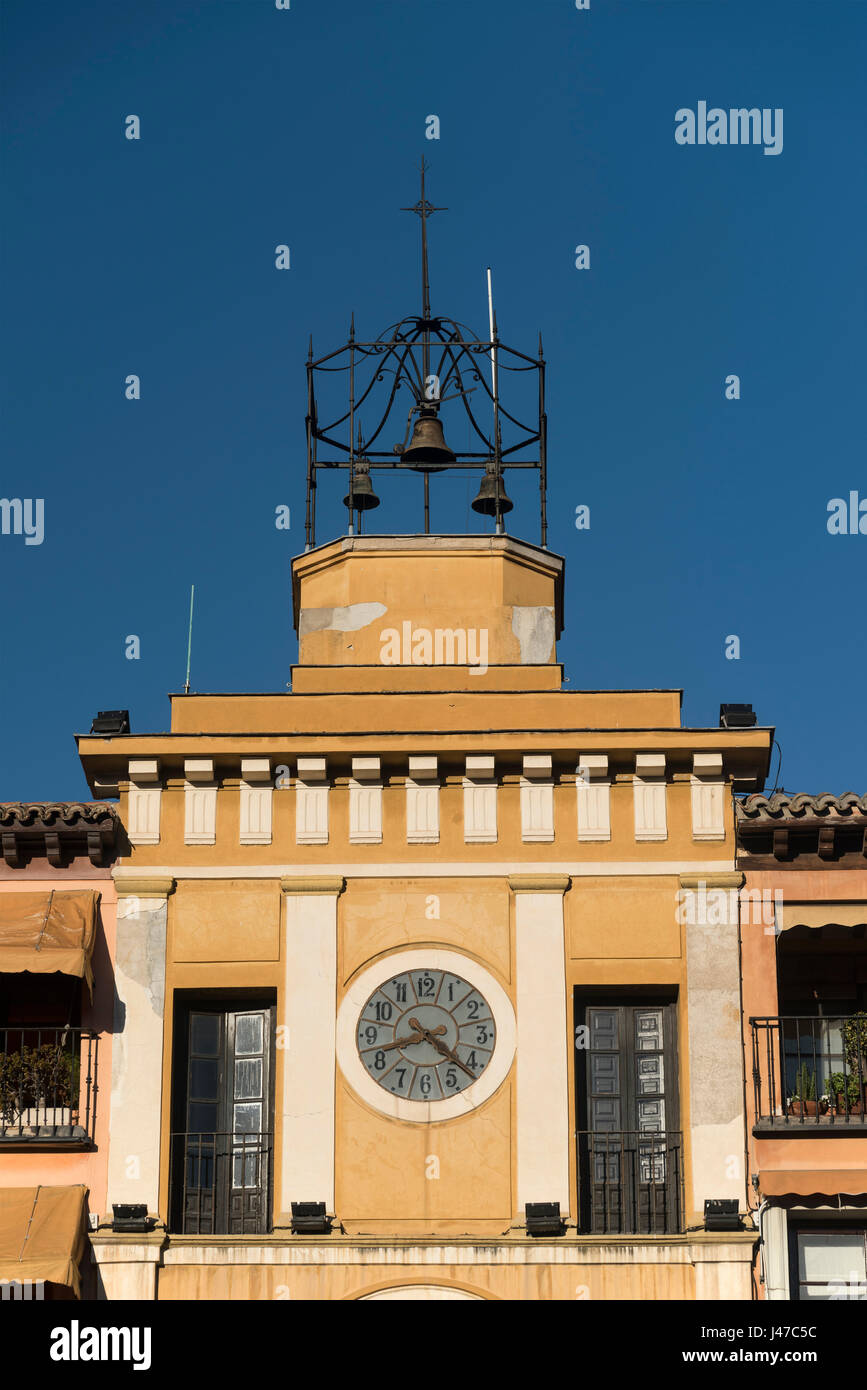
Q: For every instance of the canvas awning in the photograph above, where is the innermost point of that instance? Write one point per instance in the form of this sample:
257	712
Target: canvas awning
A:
44	932
42	1234
821	914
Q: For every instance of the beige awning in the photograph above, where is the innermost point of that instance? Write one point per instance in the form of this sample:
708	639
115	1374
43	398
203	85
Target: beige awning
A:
42	1234
44	932
822	914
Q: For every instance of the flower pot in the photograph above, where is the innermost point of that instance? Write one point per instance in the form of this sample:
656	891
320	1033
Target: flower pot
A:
38	1121
807	1107
854	1107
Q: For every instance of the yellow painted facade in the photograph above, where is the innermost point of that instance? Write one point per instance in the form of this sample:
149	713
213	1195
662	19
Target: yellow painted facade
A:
563	894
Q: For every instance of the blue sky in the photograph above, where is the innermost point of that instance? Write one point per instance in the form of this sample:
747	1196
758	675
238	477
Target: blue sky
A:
261	126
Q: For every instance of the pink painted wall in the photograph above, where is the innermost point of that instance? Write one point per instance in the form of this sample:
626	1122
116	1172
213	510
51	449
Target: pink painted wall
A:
25	1168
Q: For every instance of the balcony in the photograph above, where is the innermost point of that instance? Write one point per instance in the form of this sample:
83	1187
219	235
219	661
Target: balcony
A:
810	1074
221	1183
630	1183
48	1086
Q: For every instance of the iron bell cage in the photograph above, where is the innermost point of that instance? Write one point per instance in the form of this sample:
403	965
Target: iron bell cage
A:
431	360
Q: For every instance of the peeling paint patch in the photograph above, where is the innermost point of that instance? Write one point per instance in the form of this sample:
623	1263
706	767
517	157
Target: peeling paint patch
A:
141	949
349	619
534	629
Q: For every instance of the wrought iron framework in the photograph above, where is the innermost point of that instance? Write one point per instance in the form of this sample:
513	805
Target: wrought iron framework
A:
48	1085
810	1072
433	359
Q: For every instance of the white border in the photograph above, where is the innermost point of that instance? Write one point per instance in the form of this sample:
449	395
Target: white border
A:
425	1111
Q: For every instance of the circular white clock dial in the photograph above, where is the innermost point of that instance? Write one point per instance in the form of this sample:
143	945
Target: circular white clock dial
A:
426	1035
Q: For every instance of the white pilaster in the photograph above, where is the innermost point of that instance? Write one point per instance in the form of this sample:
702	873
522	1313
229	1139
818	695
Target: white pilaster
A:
716	1099
775	1253
542	1072
309	1060
137	1042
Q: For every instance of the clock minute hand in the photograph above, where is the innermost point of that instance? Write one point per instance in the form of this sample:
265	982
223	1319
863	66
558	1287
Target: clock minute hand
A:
447	1052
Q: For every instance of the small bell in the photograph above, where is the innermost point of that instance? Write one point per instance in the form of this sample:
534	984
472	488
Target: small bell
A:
490	489
361	495
427	449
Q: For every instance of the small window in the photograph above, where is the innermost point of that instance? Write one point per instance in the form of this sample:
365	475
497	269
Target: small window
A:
831	1264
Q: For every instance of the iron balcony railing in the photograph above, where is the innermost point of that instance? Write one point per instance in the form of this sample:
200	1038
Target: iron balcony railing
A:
221	1183
630	1182
810	1073
48	1085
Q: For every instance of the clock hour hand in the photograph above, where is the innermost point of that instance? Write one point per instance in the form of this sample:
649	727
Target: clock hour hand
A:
416	1037
420	1035
426	1032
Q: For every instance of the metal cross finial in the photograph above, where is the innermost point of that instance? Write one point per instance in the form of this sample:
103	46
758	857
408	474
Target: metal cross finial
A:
424	209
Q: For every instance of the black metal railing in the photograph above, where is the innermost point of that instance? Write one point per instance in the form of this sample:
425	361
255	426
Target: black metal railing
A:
630	1182
810	1071
221	1183
48	1085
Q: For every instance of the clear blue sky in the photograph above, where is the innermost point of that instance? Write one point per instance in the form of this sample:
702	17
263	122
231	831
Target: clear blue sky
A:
261	126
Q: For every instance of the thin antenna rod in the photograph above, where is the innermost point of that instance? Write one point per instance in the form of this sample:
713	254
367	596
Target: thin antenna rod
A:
190	640
491	331
492	326
424	209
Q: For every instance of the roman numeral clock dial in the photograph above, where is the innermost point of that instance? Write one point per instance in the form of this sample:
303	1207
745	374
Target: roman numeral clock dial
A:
425	1035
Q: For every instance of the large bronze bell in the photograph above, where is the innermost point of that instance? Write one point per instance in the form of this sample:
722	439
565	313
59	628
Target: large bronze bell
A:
361	495
491	489
427	449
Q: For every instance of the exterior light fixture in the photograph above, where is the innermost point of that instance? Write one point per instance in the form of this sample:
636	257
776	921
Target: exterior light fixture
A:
737	717
111	722
131	1216
721	1214
543	1219
309	1219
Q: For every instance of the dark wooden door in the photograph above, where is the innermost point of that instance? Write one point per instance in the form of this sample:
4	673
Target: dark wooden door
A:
227	1139
629	1146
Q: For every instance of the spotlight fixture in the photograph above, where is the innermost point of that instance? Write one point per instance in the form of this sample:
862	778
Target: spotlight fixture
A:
111	722
131	1216
309	1219
721	1214
543	1219
737	717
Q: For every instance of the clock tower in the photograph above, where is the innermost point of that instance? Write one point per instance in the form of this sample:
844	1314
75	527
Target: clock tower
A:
413	1002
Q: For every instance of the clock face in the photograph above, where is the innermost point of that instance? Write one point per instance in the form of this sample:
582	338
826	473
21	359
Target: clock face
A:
426	1035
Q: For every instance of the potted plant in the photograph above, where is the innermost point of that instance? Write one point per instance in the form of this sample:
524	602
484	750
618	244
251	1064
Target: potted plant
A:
38	1088
844	1088
855	1043
803	1099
